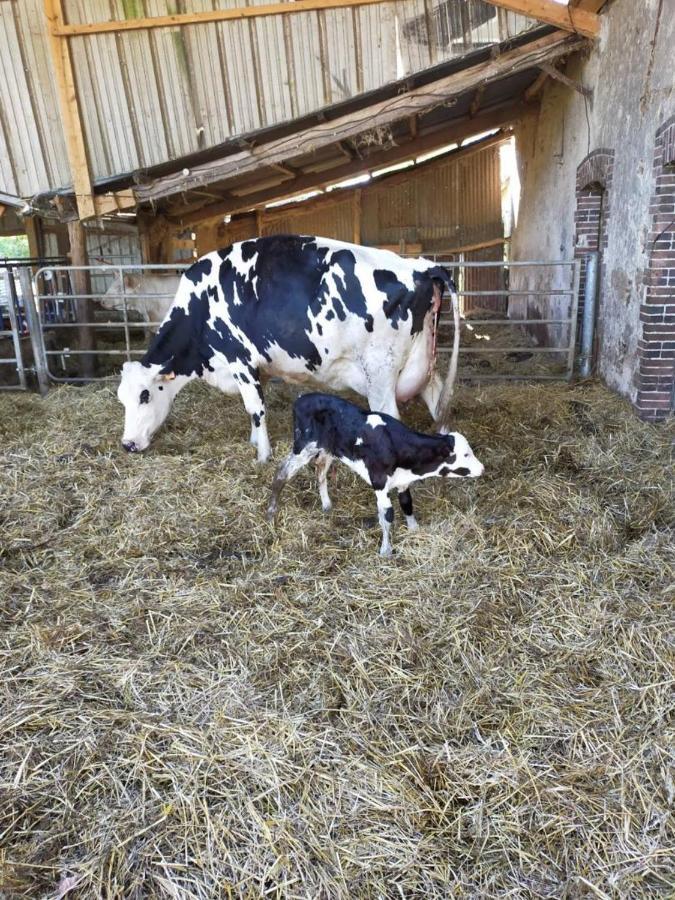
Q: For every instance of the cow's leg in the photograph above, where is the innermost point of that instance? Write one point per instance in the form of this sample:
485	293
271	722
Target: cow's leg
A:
254	401
405	499
323	464
385	513
288	468
432	394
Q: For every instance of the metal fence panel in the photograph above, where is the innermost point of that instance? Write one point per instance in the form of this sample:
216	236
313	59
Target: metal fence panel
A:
118	338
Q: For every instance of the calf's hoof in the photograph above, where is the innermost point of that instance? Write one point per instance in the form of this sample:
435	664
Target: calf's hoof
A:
386	551
271	513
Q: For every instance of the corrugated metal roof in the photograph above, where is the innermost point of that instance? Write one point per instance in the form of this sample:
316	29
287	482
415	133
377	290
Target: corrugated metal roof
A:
148	97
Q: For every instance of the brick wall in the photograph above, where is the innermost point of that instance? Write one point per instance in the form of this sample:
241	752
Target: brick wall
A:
656	348
594	181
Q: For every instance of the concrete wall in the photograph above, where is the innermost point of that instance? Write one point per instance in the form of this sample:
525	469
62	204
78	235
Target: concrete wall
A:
632	74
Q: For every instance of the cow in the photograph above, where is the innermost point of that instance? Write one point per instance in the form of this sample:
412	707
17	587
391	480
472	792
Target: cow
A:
149	295
301	308
385	453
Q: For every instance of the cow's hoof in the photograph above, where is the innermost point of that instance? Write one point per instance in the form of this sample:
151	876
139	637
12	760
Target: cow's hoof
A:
413	526
327	508
271	514
386	551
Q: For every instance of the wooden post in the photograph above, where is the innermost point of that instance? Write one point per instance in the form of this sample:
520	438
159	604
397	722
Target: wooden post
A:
70	109
85	308
33	233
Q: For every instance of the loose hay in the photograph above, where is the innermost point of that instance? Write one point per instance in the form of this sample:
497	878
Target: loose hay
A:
196	704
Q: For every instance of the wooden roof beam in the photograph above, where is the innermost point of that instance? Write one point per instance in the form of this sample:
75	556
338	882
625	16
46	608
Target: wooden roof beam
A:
593	6
348	126
485	121
575	19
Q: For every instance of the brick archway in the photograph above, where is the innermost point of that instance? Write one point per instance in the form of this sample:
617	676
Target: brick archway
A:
593	193
656	348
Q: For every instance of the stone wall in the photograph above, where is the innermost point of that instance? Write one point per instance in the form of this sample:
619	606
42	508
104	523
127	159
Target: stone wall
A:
589	169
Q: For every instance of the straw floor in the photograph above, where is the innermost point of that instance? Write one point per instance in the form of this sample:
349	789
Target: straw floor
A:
197	704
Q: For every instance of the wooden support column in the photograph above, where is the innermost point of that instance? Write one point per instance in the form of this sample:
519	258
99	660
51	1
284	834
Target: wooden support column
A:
70	110
86	339
33	233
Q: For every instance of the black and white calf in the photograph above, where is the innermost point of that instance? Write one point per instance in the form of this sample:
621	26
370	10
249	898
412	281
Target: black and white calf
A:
384	452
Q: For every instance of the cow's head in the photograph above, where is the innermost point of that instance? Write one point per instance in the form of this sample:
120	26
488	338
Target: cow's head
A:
461	461
112	298
146	394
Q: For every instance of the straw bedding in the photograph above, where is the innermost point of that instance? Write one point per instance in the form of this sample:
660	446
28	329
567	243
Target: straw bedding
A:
197	704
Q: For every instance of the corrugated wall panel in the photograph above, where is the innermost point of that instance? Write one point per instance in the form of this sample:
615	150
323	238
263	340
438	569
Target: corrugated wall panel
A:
20	126
447	204
33	36
334	220
148	97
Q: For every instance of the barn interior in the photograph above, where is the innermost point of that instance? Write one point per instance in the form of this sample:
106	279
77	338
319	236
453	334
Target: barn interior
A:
199	704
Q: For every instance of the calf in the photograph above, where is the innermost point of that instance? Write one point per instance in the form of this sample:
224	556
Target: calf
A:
379	448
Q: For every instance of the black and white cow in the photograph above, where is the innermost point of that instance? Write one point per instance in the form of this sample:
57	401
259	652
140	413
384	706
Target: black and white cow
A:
302	308
381	450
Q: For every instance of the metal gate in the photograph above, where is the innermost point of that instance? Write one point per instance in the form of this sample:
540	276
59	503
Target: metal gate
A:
20	344
113	335
535	337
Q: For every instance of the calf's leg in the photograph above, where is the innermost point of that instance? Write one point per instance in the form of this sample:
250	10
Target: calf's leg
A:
288	468
385	513
323	464
405	499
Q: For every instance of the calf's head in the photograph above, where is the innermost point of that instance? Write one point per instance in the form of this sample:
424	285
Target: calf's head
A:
461	461
146	395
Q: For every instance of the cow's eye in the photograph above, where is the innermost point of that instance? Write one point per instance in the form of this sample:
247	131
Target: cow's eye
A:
145	396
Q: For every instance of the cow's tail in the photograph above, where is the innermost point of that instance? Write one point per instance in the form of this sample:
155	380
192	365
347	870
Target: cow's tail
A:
443	408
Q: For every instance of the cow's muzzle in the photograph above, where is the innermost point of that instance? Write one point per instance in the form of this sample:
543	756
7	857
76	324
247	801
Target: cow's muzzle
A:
131	447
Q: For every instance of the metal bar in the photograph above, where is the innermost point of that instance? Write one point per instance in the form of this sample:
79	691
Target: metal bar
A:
102	269
35	328
505	350
448	318
588	325
12	307
69	352
126	315
500	263
498	293
137	325
573	321
467	377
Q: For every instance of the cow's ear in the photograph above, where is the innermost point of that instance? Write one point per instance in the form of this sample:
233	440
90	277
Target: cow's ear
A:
450	442
131	282
440	273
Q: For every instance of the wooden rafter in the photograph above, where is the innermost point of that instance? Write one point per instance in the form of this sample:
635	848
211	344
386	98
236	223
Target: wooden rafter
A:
589	5
536	87
216	15
580	18
70	110
564	79
575	19
352	124
448	134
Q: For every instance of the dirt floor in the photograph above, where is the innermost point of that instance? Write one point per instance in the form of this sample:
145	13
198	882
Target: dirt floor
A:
197	704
